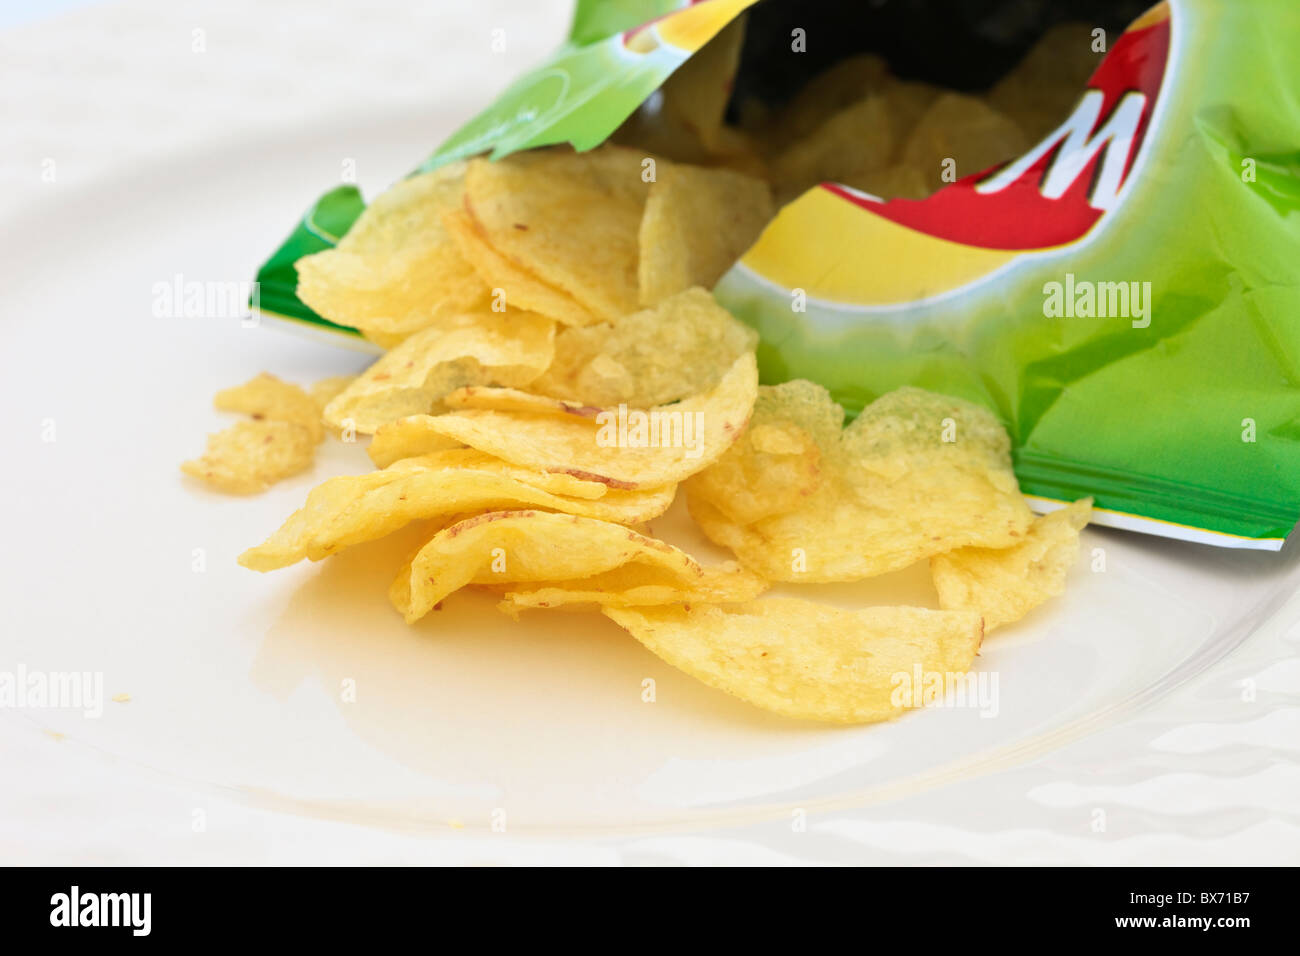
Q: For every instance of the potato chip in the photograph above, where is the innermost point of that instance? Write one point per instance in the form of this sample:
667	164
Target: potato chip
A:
327	389
771	469
249	457
830	153
508	348
626	448
776	465
678	348
655	131
1005	584
965	130
575	349
856	139
897	181
740	152
808	660
408	437
397	269
525	290
849	81
351	509
570	219
1039	93
514	400
265	397
917	474
697	223
461	457
632	586
513	546
629	506
906	102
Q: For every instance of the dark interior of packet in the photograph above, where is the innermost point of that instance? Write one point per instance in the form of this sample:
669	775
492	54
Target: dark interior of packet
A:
892	98
965	45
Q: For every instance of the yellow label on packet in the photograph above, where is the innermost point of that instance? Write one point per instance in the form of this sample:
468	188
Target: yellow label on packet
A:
699	23
803	249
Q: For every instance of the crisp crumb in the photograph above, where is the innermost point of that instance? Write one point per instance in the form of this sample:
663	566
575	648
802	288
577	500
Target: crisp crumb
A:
121	698
456	824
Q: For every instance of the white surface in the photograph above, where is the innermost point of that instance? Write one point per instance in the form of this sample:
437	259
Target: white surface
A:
1159	698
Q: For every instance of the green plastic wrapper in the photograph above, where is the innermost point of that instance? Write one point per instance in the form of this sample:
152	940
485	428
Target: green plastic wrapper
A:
1125	295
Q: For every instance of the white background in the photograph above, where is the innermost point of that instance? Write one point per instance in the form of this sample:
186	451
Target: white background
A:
1182	764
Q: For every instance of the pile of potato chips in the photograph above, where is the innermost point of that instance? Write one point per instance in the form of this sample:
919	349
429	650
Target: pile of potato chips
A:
555	369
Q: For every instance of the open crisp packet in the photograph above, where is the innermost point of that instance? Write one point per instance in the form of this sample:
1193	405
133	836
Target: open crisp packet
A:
869	287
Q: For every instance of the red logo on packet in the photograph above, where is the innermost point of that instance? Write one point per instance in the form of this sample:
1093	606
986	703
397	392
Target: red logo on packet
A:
1057	191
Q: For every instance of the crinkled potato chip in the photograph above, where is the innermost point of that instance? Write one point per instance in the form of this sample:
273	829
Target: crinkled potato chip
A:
575	349
327	389
1005	584
916	474
906	102
570	219
771	469
521	288
397	269
849	81
514	400
408	437
266	397
963	129
507	348
885	117
351	509
697	223
511	546
462	457
740	152
807	660
633	586
249	457
626	448
856	139
678	348
897	181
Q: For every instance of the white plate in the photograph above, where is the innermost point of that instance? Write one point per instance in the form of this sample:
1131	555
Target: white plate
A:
235	678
